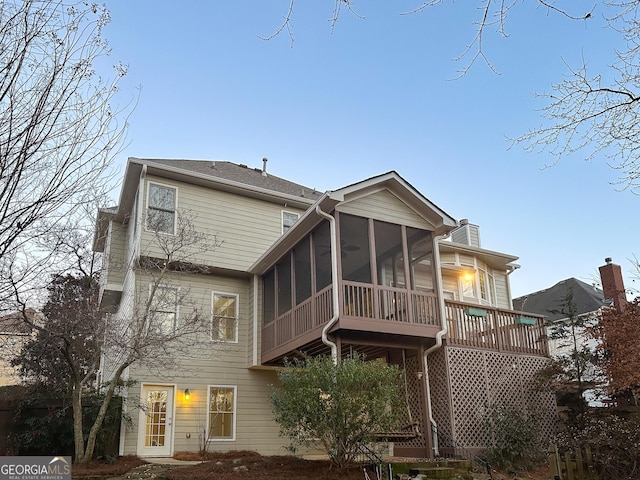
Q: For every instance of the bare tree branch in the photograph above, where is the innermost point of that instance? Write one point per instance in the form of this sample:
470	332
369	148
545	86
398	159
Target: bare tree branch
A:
599	119
286	22
58	128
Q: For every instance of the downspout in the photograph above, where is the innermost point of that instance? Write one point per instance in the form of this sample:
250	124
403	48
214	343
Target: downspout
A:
441	333
334	281
255	322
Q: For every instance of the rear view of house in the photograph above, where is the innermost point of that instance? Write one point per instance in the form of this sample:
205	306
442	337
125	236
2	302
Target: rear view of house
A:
374	267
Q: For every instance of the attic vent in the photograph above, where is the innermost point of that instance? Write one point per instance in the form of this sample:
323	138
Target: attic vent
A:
243	165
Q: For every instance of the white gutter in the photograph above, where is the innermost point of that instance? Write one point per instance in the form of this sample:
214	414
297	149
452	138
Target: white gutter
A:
334	280
441	333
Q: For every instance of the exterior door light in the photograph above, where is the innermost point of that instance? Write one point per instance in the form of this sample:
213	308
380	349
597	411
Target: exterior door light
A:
187	394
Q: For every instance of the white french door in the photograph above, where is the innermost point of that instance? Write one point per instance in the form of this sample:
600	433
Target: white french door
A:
155	425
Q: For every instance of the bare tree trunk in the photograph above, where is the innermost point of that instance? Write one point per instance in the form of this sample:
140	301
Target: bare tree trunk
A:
78	437
97	424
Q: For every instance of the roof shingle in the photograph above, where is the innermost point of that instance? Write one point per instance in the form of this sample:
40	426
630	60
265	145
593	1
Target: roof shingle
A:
549	302
239	173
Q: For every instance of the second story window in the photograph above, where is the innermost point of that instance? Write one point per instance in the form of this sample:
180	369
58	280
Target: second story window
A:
288	219
161	208
225	317
164	309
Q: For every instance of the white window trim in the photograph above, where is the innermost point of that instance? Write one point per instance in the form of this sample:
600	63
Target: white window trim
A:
237	320
177	303
175	208
282	214
235	412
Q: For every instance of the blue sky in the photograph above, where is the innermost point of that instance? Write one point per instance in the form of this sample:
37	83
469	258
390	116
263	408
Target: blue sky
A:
376	94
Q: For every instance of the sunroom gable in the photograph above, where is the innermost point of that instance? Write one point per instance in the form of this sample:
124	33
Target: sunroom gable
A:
391	198
384	205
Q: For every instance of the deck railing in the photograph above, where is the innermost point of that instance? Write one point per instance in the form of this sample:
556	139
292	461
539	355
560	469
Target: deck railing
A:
495	329
468	325
389	303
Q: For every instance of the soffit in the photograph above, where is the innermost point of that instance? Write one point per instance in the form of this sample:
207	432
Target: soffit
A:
498	260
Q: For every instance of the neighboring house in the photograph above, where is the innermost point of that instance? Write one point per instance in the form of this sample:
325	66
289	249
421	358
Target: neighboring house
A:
570	297
405	282
573	301
14	333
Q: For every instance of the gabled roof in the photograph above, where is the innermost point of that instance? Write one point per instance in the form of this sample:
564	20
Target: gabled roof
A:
238	173
549	302
222	175
390	180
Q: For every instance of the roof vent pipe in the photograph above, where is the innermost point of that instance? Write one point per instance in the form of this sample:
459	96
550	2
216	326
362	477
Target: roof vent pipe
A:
264	166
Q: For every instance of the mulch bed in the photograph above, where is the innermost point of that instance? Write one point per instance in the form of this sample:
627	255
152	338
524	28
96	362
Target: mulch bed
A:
104	468
268	467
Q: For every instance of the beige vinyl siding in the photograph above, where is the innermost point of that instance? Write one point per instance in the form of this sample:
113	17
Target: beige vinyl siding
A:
116	254
385	206
467	259
221	364
255	428
245	226
447	258
474	236
118	321
450	283
467	234
104	274
502	291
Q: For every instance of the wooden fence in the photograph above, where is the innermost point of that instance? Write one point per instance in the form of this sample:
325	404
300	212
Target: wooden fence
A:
571	465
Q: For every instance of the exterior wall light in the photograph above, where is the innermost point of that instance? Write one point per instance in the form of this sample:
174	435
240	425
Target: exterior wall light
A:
187	394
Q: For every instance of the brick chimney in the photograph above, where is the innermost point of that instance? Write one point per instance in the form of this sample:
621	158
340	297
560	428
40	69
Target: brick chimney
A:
612	284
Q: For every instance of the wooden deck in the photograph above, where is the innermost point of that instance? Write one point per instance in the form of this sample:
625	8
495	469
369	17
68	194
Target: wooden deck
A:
399	313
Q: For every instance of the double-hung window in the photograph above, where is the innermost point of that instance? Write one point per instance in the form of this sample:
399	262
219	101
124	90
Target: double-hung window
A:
225	317
164	309
288	219
222	407
161	208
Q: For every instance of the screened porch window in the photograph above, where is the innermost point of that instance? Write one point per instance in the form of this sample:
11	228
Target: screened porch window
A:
322	257
283	272
269	300
420	244
354	248
389	255
302	270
